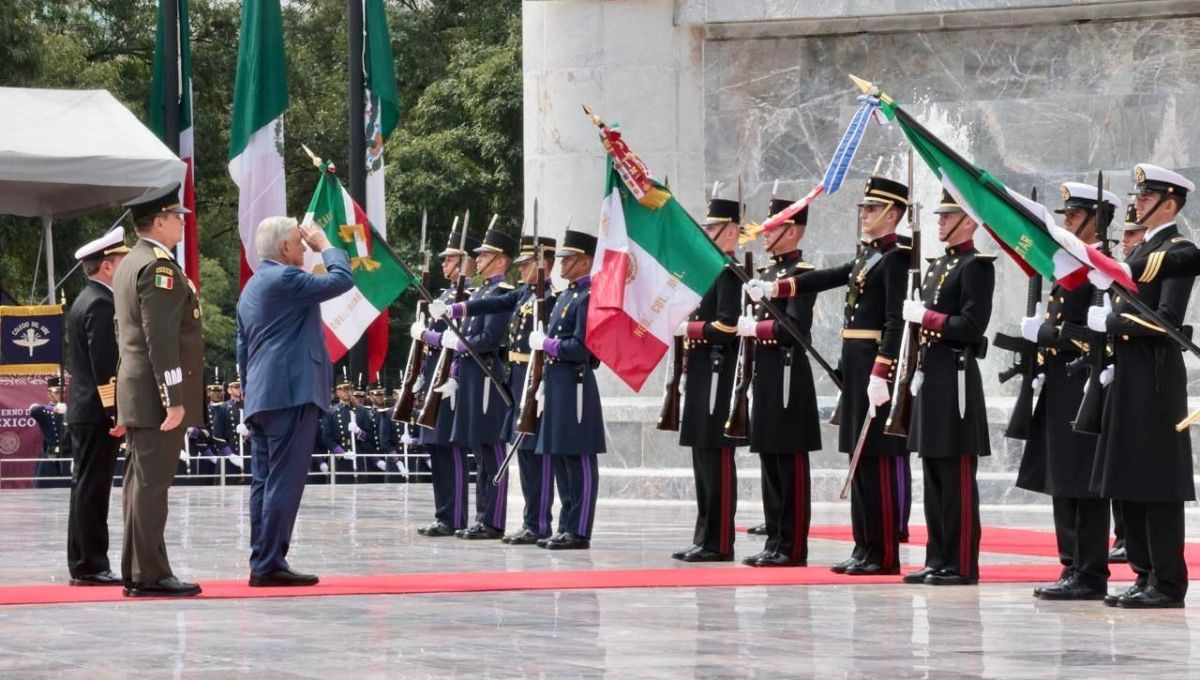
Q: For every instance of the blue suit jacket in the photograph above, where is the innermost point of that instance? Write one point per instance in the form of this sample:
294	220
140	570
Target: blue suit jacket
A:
280	340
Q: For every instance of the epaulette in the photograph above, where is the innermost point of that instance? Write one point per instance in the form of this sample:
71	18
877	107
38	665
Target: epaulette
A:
1179	239
932	260
985	257
162	254
506	285
805	266
903	246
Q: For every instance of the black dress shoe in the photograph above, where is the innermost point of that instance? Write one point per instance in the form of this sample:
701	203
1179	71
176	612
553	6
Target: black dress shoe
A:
100	578
870	569
945	577
699	554
523	537
779	560
545	540
167	587
568	541
841	567
1149	598
918	577
437	529
1071	589
282	578
760	530
480	532
678	554
752	561
1118	555
1114	600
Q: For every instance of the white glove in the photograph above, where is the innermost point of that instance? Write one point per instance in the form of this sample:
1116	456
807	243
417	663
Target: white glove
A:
438	309
324	467
918	379
235	460
913	310
1103	281
407	439
448	388
747	326
60	407
1098	316
401	468
183	455
354	428
1038	381
381	465
681	329
348	454
757	289
416	330
878	393
537	339
242	430
1107	375
1031	324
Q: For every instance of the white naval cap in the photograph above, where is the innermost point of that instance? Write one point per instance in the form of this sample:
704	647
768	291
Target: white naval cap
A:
110	244
1082	196
1161	180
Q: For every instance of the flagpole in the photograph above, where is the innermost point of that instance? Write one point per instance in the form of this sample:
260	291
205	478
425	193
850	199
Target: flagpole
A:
357	176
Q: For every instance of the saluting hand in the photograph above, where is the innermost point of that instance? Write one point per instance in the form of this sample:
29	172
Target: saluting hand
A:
314	237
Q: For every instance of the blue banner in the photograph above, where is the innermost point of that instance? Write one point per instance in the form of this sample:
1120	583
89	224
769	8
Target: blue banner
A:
31	339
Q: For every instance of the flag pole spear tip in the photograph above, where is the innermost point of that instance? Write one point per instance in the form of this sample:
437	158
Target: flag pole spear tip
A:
592	114
315	160
866	86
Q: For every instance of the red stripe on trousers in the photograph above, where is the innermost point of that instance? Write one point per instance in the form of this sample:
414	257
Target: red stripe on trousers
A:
799	463
885	487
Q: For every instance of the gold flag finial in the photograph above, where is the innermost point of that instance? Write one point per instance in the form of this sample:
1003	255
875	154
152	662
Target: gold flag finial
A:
315	160
592	114
866	86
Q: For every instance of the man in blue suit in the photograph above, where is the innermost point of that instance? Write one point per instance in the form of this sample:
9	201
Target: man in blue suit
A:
286	371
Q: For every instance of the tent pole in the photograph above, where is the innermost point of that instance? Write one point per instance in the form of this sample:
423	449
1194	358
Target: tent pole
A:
48	246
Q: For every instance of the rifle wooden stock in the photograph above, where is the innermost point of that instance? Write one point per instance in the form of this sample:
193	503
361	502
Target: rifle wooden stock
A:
441	373
669	415
1020	422
527	419
898	417
738	424
407	399
1087	419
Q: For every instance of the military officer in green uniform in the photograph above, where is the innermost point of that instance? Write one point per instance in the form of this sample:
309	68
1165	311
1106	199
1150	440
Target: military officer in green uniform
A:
159	385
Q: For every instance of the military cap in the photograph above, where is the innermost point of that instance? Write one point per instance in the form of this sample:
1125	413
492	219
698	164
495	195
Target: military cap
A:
1082	196
496	241
234	383
529	248
345	384
376	390
884	191
1160	180
112	243
453	242
779	204
1131	223
577	243
722	210
54	384
947	204
164	199
216	387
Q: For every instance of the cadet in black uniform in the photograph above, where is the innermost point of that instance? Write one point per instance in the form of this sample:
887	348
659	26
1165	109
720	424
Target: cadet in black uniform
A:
91	412
785	424
711	364
537	473
572	425
51	473
949	417
1141	460
237	459
871	332
448	463
1058	460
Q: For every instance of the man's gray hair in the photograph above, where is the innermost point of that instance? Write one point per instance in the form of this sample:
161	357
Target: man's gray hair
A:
271	234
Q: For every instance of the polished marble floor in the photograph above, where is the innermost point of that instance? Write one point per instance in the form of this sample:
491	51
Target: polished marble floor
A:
842	631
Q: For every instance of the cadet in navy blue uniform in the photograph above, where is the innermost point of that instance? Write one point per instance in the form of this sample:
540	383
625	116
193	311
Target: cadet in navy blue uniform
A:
1142	461
948	426
386	441
871	329
49	418
537	475
785	424
480	414
572	425
346	421
710	356
237	458
448	463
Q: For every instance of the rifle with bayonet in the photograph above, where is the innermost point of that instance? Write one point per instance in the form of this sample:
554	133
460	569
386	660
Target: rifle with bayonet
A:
1087	419
898	417
410	386
738	424
669	414
441	373
1024	362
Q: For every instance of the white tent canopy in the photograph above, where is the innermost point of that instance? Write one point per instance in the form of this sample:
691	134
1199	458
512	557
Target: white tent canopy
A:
65	153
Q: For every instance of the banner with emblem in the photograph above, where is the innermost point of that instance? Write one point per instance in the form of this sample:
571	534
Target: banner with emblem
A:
31	339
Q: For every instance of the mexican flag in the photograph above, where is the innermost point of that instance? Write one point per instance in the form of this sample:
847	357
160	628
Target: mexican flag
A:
378	276
177	66
652	267
256	134
1024	229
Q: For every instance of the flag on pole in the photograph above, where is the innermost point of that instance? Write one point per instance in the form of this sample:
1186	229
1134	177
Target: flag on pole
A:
652	267
382	113
256	134
378	276
187	252
1023	228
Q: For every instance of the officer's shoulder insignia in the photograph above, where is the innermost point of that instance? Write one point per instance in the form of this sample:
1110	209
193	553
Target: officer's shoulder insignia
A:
1180	239
903	246
985	257
803	266
164	270
164	281
162	254
764	270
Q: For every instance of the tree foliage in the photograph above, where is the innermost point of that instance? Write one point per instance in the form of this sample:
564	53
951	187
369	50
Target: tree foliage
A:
458	145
